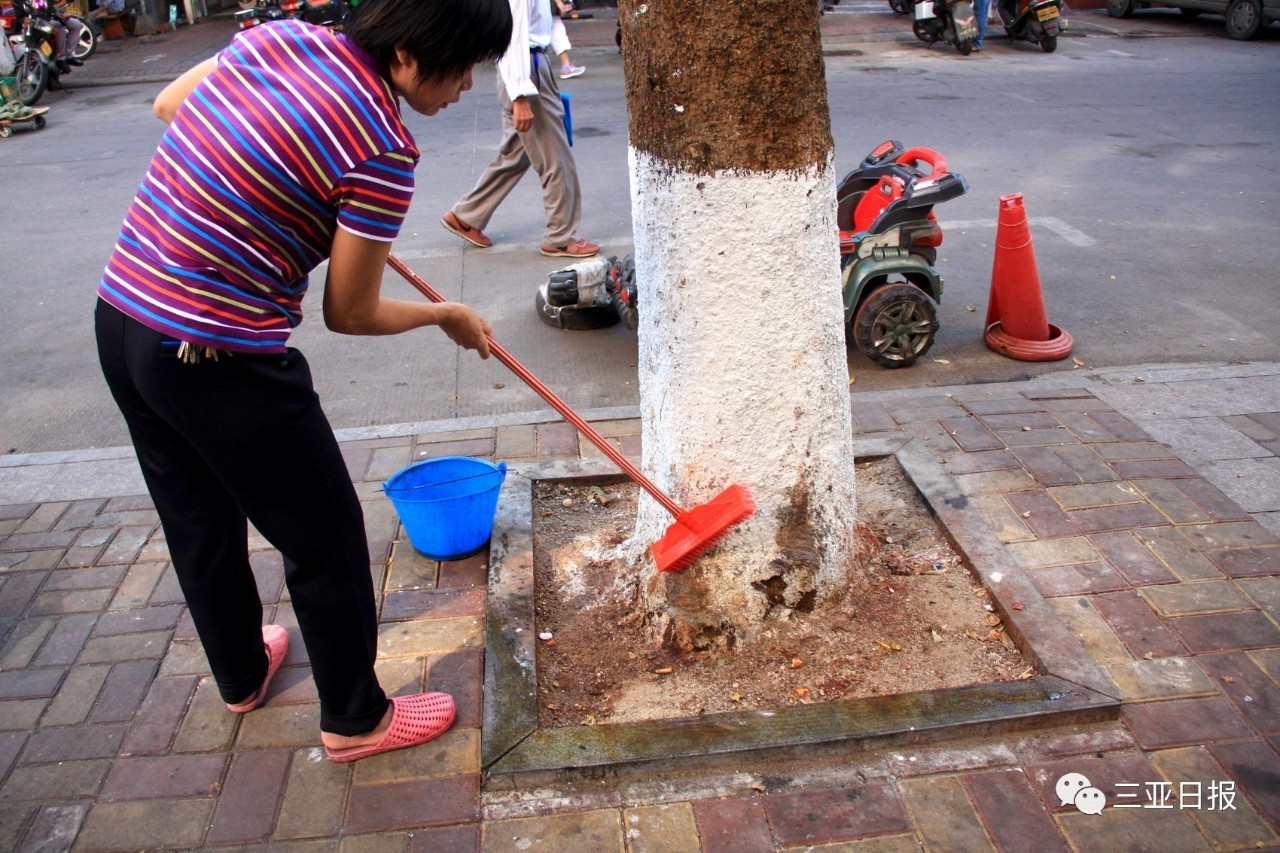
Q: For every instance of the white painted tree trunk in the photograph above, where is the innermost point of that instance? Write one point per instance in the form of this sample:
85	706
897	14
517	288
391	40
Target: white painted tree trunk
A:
743	379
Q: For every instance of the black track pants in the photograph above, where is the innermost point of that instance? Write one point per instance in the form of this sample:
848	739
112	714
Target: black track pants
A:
244	438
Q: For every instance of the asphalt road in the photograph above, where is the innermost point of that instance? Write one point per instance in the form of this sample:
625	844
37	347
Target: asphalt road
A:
1149	167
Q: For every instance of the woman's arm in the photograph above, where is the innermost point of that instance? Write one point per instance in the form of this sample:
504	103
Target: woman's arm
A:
354	304
168	101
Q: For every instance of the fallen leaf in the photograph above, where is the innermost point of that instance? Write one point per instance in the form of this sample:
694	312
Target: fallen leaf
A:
498	386
737	697
589	720
796	663
1006	641
802	691
970	308
942	360
993	620
666	670
1017	605
1077	362
882	644
852	379
1228	679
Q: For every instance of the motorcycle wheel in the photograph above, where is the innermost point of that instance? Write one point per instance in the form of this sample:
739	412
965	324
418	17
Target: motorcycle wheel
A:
31	78
88	42
1049	44
965	46
923	33
895	325
900	7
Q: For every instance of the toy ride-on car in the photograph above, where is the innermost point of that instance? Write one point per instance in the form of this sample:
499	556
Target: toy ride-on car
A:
889	240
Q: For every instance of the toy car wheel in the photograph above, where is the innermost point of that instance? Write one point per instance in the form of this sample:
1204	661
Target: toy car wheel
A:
575	319
39	122
5	131
1120	8
1243	19
895	324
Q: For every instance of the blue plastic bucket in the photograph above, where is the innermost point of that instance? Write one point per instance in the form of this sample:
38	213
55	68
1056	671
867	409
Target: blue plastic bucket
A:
447	504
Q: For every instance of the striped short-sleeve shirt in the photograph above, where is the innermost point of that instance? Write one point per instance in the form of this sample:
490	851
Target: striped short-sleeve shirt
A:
294	134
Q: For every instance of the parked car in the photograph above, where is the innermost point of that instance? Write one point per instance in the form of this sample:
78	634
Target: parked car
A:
1243	18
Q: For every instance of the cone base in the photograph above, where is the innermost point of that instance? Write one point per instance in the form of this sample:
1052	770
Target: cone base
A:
1058	346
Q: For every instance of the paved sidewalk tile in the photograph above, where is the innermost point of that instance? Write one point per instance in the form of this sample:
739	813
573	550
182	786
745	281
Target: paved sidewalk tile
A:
824	816
592	830
732	825
1014	816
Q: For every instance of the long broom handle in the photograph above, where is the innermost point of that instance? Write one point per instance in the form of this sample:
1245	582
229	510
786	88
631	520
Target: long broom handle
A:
547	394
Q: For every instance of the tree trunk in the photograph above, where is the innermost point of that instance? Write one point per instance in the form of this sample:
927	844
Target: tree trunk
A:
742	358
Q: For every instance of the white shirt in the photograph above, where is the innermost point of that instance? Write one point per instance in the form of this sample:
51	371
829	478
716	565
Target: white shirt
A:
531	23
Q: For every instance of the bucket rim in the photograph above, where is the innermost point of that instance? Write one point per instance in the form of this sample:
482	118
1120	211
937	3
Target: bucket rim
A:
404	493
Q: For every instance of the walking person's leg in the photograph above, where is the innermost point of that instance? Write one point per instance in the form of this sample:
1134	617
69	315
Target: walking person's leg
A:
471	214
547	147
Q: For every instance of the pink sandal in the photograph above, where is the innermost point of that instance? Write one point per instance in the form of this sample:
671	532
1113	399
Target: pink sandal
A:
276	639
414	719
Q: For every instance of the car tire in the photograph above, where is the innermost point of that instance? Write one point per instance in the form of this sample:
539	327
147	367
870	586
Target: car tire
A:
895	324
1243	19
1120	8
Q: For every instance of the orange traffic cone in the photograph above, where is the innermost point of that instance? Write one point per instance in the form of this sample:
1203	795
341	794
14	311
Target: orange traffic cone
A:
1016	322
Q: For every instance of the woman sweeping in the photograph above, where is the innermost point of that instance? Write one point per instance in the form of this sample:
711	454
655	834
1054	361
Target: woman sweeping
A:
284	150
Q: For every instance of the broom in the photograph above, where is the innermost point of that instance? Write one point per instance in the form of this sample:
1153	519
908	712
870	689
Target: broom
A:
694	530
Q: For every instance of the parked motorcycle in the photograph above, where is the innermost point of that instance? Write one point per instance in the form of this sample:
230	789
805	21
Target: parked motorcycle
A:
1037	21
947	21
36	70
325	13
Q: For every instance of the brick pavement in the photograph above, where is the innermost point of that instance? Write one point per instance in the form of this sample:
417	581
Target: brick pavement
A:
113	738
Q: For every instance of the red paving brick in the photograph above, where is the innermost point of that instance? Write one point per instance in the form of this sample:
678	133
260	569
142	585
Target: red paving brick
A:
165	776
819	817
1256	767
1224	632
1131	558
1182	722
1137	625
732	825
1042	514
1247	562
250	797
413	803
1077	580
461	675
1012	813
1255	695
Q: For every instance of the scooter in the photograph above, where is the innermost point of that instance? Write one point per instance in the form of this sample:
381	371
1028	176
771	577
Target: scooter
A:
889	239
947	21
1036	21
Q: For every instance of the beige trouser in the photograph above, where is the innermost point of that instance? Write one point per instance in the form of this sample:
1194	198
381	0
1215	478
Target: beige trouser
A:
543	146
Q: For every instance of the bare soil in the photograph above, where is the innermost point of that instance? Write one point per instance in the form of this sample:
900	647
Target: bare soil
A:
916	619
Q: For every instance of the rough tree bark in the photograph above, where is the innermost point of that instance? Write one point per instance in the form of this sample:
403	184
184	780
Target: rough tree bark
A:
742	358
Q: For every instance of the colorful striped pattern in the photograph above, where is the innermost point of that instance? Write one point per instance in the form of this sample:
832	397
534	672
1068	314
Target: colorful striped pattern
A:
293	134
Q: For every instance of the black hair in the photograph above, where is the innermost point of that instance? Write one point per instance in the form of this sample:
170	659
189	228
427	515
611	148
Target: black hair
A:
445	37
